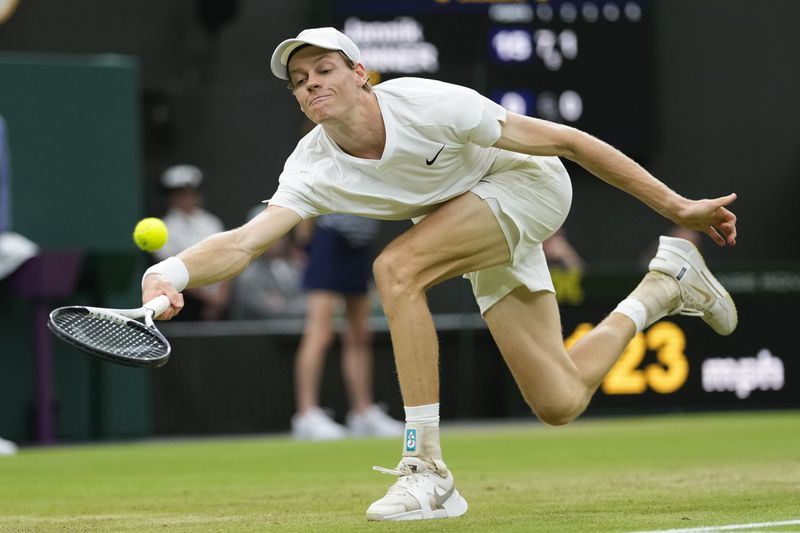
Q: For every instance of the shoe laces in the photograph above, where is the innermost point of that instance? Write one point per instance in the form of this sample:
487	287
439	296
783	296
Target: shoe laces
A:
401	470
690	306
411	466
410	471
689	311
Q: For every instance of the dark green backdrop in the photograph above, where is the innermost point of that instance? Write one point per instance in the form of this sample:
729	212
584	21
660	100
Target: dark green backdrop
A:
74	136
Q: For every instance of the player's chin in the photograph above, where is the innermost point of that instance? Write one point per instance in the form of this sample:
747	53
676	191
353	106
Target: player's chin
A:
320	112
319	117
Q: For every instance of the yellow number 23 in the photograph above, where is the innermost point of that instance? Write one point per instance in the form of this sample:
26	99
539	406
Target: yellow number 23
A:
625	377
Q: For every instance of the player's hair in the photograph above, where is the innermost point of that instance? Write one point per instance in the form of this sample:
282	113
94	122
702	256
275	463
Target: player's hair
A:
347	61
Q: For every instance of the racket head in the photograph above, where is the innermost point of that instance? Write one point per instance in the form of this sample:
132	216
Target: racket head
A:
109	335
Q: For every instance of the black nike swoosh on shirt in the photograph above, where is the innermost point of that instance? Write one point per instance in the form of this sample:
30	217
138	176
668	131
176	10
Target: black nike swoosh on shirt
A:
429	162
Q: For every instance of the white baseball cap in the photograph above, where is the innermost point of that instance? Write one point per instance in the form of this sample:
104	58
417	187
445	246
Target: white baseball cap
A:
327	38
182	177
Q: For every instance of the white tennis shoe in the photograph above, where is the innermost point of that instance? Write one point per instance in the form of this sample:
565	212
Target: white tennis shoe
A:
7	447
425	489
374	422
315	424
701	294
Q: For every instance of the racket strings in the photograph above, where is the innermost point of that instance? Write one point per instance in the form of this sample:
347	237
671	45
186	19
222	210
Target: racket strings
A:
111	335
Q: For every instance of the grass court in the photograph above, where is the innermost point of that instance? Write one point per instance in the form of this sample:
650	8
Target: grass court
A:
693	472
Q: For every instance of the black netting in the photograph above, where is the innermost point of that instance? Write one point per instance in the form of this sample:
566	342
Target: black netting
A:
110	335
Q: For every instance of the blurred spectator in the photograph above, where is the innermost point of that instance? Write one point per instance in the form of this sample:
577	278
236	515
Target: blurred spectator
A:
271	286
339	270
14	251
7	447
188	223
566	268
694	237
14	248
559	252
5	180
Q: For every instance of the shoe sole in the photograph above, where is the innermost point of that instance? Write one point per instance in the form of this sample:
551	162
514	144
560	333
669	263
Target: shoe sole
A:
690	255
453	507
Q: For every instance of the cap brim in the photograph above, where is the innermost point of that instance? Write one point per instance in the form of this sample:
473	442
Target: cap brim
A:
281	56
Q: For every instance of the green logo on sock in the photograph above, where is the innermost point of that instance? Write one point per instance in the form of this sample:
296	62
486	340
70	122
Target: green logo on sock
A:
411	440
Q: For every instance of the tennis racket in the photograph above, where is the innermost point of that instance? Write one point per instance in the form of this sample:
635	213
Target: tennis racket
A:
114	334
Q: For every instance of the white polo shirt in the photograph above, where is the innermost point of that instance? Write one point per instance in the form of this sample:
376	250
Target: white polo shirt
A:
438	146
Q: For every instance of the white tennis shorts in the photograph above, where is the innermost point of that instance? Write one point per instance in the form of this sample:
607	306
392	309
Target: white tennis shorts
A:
531	197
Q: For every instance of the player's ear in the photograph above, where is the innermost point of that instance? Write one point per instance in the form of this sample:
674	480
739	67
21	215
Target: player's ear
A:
361	73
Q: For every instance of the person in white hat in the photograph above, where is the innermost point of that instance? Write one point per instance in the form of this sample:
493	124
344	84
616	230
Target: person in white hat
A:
486	187
188	223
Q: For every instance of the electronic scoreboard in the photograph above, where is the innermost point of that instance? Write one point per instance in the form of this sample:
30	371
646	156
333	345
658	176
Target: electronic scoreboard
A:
588	64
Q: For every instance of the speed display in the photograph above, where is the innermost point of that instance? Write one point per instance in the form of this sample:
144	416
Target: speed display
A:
586	63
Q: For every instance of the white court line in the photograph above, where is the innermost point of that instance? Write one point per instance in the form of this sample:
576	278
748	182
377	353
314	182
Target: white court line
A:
731	527
140	519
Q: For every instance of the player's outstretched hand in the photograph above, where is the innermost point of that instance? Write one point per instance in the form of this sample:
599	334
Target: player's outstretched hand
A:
155	285
712	218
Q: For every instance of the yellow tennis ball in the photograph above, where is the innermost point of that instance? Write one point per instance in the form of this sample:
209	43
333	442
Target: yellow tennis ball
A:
150	234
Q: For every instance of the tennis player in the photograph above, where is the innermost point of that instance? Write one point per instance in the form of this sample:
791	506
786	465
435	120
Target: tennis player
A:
485	187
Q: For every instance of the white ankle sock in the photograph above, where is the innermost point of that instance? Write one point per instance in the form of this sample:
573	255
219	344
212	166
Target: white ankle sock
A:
635	310
423	415
422	432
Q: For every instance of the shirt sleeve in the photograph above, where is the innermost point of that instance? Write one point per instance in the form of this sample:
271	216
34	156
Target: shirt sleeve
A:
489	128
292	195
475	118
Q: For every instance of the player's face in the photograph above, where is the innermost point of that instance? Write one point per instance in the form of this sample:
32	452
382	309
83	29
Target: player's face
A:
324	85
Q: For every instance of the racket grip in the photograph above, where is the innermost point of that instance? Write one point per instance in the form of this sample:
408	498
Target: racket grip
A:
158	305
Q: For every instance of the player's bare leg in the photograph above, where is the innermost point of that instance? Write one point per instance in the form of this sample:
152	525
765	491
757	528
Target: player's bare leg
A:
461	236
464	236
556	385
559	385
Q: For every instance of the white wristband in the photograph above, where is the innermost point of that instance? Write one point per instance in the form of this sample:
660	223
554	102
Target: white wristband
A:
173	269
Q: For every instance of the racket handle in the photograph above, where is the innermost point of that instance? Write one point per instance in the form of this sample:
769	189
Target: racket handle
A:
158	305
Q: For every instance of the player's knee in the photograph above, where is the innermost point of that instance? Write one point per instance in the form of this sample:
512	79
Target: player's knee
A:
393	275
561	412
383	272
555	418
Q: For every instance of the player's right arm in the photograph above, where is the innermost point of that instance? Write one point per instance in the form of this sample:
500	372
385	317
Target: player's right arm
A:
221	256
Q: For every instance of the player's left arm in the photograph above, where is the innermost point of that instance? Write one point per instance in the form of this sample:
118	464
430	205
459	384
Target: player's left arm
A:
540	137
